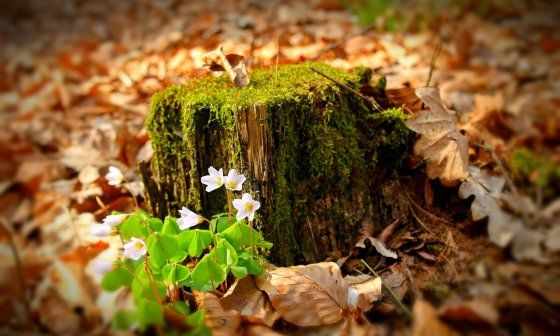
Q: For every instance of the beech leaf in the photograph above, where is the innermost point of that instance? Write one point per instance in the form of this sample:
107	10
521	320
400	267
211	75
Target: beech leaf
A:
309	295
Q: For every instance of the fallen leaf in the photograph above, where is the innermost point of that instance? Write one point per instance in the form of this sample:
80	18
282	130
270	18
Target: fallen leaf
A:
441	144
487	190
253	305
477	311
309	295
217	318
362	294
379	246
426	321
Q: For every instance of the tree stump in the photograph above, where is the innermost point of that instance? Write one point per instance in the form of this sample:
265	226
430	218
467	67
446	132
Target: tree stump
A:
313	154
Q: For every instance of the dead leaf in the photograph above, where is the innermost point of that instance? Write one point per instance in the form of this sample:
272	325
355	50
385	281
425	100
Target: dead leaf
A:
361	295
379	246
221	321
253	305
476	311
441	144
309	295
426	321
487	190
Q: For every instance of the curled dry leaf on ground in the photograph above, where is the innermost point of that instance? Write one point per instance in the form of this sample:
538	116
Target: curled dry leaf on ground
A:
441	144
504	228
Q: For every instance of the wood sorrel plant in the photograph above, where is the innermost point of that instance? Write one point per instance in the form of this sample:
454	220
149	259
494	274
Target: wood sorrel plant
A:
164	261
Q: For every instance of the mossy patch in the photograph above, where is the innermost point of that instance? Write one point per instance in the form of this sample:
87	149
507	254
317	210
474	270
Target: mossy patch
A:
311	151
538	170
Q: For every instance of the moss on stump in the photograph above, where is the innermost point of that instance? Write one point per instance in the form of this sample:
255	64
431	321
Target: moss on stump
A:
313	154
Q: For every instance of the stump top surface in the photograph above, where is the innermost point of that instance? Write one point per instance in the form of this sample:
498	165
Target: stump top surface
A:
268	86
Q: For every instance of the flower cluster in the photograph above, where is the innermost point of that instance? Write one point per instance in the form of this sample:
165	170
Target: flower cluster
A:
158	255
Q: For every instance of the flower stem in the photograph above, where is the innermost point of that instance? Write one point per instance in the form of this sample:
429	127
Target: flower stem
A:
252	244
229	195
152	283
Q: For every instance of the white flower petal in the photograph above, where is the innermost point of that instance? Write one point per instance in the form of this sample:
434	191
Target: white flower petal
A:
101	230
241	214
213	172
114	220
114	176
238	204
134	249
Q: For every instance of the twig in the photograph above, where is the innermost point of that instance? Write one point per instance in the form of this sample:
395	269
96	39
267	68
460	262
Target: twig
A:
19	269
336	44
435	55
370	100
428	213
401	304
423	225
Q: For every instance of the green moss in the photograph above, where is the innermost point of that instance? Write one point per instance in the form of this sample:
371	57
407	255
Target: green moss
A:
323	147
539	170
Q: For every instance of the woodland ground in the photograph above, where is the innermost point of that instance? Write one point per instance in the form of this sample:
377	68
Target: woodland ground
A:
77	77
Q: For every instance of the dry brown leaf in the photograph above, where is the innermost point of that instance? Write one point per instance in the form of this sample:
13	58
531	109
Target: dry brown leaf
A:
426	321
441	144
309	295
476	311
253	304
487	190
503	228
362	294
221	321
379	246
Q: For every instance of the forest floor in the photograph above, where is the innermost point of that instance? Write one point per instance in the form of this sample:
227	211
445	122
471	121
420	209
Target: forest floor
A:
75	85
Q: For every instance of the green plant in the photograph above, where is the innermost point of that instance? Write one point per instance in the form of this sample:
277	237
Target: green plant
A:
163	261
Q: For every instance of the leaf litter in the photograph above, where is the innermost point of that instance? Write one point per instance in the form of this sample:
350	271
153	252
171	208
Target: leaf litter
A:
73	106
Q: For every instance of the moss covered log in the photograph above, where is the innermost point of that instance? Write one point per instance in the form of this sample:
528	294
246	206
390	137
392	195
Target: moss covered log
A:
313	154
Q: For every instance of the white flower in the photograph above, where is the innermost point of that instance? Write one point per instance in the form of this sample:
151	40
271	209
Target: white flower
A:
234	181
114	177
104	262
246	207
214	180
188	219
135	248
114	220
101	230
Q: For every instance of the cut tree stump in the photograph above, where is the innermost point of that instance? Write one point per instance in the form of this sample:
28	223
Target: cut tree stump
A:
315	157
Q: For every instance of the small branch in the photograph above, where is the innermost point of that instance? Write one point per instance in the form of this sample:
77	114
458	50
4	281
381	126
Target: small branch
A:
435	56
367	99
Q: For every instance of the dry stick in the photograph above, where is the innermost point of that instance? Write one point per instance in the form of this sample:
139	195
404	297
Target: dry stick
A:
422	224
401	304
19	269
349	89
340	42
428	213
435	55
